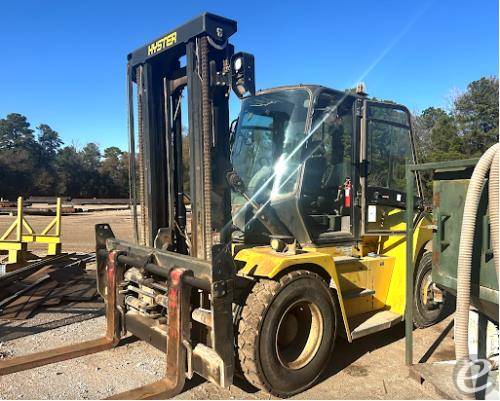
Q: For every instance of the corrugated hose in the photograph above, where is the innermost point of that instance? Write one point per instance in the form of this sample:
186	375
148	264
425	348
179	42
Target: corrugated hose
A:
488	162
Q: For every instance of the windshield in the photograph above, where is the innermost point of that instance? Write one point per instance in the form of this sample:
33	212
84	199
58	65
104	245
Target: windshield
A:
270	127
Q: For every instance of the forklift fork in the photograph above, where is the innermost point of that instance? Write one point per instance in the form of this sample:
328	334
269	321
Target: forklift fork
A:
178	319
178	327
110	339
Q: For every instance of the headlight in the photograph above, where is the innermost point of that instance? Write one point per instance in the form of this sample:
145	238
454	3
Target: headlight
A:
238	63
243	74
278	245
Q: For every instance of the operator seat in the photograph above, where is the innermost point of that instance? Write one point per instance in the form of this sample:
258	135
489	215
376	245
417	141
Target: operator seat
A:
311	182
321	198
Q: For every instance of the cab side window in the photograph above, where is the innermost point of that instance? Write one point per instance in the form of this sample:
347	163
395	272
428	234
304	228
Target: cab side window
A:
388	148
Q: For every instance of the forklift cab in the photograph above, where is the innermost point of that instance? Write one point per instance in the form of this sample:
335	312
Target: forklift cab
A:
330	164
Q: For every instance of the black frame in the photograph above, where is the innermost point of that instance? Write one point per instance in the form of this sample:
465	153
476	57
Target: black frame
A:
364	162
160	79
294	221
340	237
282	205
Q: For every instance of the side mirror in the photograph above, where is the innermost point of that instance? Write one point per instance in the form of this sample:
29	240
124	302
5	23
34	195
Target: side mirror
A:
243	74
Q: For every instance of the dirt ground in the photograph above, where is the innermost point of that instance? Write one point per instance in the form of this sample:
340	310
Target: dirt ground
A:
370	368
78	229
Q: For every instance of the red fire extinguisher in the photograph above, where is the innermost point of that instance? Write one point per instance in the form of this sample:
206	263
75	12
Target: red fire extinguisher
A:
347	192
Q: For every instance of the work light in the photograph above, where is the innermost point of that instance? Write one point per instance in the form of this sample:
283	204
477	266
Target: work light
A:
243	74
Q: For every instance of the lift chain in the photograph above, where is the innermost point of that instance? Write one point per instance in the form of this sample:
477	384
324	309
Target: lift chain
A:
207	145
144	234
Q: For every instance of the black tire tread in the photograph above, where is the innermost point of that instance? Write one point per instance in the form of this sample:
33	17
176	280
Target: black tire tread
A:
252	315
420	321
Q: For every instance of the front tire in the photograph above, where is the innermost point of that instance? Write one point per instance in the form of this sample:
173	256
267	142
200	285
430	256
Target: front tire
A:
430	304
287	332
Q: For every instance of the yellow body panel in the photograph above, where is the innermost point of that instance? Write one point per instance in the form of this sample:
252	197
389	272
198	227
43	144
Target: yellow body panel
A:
384	271
396	246
373	273
263	261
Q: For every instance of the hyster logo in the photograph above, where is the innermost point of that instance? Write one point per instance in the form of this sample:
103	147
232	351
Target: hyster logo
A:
162	43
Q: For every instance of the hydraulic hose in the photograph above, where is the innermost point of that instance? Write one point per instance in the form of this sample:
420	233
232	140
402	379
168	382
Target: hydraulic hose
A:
466	246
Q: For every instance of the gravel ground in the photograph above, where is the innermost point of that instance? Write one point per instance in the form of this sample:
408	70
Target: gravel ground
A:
370	368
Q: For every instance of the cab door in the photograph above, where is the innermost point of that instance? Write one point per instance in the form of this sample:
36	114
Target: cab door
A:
328	170
386	147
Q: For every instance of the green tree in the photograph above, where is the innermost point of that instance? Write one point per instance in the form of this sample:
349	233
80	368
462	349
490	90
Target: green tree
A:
476	113
430	116
49	141
15	132
93	183
91	156
446	144
69	167
115	168
441	133
112	152
17	155
466	131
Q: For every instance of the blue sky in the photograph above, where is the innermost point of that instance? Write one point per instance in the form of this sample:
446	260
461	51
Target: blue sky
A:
63	62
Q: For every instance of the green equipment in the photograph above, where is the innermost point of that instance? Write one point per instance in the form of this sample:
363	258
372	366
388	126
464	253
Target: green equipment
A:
465	264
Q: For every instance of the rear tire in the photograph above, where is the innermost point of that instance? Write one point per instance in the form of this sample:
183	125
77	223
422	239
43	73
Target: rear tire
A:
287	332
426	311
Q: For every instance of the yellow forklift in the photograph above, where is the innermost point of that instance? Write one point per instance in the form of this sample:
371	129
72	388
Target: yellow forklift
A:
295	232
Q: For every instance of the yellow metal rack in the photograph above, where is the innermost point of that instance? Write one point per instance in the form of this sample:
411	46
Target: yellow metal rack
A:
25	234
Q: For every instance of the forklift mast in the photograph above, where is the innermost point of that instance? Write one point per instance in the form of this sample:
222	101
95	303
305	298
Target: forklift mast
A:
160	78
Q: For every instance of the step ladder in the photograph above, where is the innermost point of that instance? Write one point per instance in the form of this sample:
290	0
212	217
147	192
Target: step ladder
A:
371	322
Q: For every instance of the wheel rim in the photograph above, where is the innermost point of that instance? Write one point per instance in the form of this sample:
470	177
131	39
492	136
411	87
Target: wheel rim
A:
299	334
430	295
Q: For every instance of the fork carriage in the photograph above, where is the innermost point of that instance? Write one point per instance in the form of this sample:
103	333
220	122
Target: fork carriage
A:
176	279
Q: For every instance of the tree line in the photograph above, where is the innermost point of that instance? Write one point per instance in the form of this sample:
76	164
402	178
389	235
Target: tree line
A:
465	130
36	161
